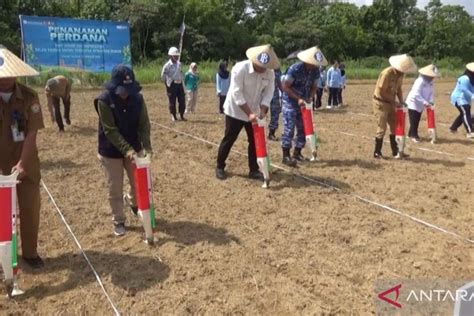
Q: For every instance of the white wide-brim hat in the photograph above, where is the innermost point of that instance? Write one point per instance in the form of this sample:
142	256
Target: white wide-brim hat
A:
470	67
403	63
263	56
429	71
11	66
313	56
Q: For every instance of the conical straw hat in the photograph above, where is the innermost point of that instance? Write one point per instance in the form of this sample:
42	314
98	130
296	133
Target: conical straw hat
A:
263	56
12	66
470	67
313	56
430	71
403	63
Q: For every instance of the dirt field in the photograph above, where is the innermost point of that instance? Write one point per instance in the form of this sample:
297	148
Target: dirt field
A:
232	247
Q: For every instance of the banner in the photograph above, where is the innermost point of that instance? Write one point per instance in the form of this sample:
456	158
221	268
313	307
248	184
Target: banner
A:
75	45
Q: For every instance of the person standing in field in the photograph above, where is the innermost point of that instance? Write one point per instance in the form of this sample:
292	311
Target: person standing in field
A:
191	82
299	87
58	88
275	106
334	84
342	86
420	97
124	133
387	89
172	76
461	98
321	84
222	84
20	121
250	93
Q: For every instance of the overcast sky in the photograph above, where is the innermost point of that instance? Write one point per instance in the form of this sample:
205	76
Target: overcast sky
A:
467	4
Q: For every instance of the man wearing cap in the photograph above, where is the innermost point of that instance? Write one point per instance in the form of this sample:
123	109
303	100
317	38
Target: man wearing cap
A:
250	93
172	76
20	120
420	97
388	88
300	86
58	88
124	132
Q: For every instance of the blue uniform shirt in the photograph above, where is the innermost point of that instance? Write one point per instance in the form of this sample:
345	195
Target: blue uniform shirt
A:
301	80
463	92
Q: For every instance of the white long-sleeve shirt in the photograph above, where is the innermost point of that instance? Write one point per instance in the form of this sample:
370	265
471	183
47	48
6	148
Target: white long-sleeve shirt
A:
420	94
248	87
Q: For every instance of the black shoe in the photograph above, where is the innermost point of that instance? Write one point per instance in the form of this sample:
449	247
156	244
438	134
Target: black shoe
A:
68	121
183	118
257	175
271	136
220	174
297	155
290	162
35	263
61	130
394	145
378	148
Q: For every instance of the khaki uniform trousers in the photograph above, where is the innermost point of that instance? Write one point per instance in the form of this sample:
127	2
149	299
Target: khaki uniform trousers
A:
113	168
385	114
192	100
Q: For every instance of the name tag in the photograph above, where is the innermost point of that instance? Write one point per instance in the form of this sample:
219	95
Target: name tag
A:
17	135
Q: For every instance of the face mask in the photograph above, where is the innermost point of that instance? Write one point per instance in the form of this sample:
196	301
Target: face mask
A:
6	96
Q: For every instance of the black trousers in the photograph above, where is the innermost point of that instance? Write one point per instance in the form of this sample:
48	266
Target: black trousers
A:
333	96
464	117
339	96
57	110
176	91
232	129
317	101
414	117
221	103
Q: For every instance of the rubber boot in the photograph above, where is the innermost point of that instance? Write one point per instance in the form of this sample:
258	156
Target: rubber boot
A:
287	160
394	145
297	155
378	148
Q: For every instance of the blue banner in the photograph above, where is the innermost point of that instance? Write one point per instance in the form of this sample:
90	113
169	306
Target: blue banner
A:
75	45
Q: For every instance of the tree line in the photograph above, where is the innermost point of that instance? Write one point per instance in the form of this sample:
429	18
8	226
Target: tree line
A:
223	29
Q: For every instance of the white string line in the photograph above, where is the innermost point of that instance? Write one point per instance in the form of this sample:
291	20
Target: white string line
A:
81	249
368	115
360	198
408	145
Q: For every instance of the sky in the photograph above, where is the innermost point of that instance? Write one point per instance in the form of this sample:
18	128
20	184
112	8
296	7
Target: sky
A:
467	4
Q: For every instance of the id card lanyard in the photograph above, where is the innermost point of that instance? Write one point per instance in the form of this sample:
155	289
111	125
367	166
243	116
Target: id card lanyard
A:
17	128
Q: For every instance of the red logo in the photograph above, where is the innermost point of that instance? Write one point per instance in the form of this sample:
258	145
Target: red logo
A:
396	289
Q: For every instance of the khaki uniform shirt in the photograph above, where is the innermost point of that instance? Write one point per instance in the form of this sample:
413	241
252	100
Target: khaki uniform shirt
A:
58	86
389	85
23	104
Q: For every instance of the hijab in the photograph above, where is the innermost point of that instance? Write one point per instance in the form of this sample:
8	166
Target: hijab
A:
223	72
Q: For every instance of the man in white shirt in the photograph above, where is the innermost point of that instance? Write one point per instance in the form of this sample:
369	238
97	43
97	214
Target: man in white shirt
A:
250	93
172	76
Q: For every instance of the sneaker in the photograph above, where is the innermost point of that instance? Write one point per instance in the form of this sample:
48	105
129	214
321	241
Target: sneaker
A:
220	174
329	107
415	139
173	118
401	155
119	229
256	175
470	135
35	263
378	155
